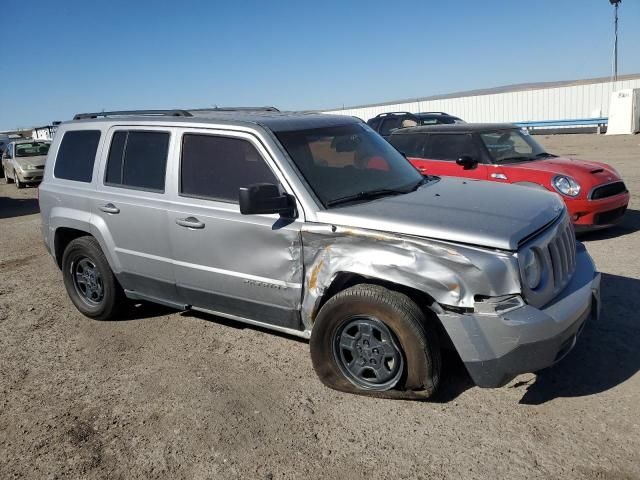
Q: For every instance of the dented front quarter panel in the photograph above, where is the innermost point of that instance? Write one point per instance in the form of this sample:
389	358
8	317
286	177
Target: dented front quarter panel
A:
451	274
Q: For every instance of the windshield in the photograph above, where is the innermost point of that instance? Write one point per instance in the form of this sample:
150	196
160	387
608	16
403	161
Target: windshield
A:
509	146
349	161
34	149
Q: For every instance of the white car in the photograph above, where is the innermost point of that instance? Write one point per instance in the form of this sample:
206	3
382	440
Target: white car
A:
23	161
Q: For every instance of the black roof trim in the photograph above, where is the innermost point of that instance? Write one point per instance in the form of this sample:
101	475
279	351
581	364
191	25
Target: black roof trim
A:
454	127
235	109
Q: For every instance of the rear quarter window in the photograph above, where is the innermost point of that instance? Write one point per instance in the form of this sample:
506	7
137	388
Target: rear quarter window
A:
77	155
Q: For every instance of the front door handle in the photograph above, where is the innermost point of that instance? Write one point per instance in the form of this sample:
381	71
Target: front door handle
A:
110	208
189	222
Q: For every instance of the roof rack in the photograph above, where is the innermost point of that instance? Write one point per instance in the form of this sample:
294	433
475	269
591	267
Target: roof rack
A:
158	113
434	113
235	109
393	113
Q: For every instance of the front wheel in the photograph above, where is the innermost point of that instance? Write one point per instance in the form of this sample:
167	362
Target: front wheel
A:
374	341
7	178
90	282
19	184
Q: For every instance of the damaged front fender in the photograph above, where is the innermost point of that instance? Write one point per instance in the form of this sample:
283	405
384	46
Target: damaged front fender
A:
451	274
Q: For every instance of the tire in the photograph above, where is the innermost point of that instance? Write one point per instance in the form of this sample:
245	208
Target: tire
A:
19	185
6	177
85	255
411	331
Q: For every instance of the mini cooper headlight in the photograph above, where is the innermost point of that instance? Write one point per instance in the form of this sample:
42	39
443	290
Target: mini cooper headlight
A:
566	185
531	268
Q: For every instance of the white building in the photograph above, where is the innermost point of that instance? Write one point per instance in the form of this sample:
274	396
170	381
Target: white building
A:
44	133
567	103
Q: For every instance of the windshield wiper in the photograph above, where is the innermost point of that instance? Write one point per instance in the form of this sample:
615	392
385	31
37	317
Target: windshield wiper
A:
421	182
545	155
365	196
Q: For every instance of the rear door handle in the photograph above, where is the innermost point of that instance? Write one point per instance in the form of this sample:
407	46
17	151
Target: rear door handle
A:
110	208
189	222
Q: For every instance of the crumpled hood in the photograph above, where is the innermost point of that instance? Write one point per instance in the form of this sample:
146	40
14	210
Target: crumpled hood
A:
486	214
36	161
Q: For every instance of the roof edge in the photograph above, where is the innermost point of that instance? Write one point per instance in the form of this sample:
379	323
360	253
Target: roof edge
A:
516	87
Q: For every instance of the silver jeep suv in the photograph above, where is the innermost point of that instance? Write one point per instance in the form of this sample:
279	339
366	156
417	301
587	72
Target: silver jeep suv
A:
313	225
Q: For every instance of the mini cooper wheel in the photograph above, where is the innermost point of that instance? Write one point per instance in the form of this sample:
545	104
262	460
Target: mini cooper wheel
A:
89	281
374	341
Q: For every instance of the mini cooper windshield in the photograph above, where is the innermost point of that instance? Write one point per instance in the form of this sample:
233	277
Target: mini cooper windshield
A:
349	163
511	146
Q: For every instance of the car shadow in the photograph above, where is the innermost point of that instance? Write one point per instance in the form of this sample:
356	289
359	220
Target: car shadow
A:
607	353
455	379
138	310
18	207
237	325
630	224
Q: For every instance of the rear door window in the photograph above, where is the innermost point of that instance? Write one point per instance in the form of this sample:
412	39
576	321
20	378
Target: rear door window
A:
77	155
450	147
138	160
215	167
410	145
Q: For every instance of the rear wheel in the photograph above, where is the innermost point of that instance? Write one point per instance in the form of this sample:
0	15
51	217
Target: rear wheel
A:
90	282
374	341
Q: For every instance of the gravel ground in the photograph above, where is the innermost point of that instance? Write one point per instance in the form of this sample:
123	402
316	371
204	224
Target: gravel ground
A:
177	395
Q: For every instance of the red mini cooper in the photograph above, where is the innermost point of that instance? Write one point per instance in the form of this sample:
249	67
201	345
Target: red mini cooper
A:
594	193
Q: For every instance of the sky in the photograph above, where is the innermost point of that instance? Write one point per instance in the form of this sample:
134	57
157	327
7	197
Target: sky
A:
68	56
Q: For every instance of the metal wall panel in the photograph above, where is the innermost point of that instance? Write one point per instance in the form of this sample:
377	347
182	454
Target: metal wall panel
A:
558	103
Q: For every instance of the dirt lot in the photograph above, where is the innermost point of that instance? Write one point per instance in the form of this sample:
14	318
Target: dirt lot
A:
170	395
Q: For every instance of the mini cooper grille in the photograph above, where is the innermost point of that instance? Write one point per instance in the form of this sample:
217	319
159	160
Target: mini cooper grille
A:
608	190
556	247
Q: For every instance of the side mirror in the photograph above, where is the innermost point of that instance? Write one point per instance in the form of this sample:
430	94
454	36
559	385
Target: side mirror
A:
467	162
262	198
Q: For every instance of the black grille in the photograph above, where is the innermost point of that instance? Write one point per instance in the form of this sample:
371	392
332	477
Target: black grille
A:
562	250
40	167
608	190
606	218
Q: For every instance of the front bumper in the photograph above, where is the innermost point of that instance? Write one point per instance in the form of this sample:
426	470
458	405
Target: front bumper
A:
595	214
28	176
496	348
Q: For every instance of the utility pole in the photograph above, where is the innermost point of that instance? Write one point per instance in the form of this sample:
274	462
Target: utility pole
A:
616	4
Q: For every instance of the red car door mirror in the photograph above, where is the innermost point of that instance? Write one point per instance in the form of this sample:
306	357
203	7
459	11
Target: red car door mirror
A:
467	162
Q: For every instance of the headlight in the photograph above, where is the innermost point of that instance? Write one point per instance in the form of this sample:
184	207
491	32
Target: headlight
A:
532	268
566	185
